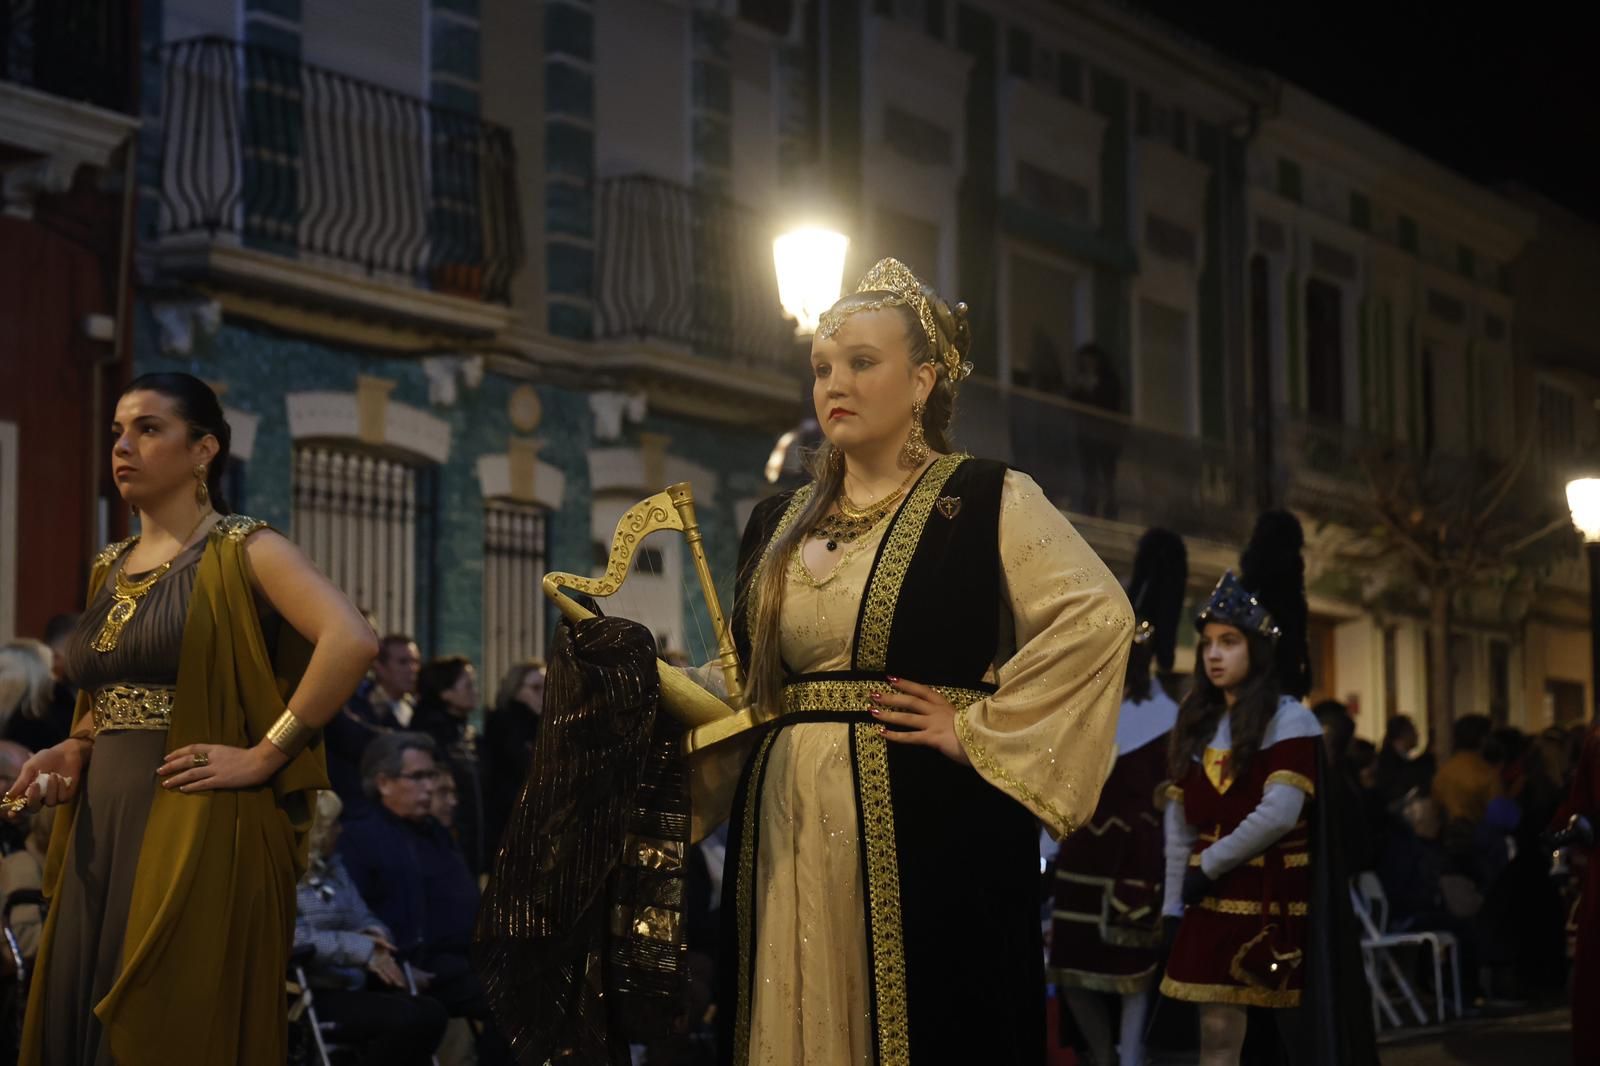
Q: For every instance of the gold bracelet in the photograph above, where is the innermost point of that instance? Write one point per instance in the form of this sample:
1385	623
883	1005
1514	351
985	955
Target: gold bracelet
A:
289	734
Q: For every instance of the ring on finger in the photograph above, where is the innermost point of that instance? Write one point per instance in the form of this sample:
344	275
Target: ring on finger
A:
201	759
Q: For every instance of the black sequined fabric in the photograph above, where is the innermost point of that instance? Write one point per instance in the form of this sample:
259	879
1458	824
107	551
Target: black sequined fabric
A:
580	938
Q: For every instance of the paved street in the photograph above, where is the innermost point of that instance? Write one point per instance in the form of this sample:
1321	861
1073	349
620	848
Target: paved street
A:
1538	1039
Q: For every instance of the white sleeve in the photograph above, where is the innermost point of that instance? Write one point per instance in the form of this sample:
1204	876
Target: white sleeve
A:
1180	842
1274	816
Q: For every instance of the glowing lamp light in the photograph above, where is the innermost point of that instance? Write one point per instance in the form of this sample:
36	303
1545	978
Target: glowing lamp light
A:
810	265
1583	497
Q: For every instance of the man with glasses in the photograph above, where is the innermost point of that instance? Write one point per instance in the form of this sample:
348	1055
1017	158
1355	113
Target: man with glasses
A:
412	875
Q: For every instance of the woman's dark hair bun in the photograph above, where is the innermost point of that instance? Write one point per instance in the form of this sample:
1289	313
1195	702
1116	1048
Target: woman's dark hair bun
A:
197	404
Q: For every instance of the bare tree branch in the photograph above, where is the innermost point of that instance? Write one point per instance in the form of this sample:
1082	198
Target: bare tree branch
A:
1533	538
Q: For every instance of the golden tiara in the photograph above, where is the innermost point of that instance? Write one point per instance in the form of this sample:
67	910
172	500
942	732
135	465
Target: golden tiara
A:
905	290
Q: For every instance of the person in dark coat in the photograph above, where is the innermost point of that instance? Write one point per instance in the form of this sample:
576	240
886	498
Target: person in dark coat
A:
412	875
381	704
509	734
447	694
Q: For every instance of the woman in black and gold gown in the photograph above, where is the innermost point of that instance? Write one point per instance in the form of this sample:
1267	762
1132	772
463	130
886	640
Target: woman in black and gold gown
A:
937	658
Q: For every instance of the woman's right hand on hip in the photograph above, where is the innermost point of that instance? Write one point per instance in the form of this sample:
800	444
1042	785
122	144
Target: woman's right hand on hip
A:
48	778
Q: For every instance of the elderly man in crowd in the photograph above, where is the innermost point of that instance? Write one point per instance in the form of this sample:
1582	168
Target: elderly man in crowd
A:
412	875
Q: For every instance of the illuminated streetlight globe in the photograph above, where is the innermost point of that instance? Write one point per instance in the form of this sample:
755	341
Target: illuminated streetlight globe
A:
1583	497
810	265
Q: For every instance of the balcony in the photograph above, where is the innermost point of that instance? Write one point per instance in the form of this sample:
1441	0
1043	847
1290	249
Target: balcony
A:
285	180
1104	468
65	92
685	293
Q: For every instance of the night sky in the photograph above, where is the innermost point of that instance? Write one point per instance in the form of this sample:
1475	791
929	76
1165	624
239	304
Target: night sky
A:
1499	101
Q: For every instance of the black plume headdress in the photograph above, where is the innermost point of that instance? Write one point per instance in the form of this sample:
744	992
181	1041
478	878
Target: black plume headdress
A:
1274	570
1156	589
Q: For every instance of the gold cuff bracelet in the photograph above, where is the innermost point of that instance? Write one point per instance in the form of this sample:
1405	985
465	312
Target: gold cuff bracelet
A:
289	734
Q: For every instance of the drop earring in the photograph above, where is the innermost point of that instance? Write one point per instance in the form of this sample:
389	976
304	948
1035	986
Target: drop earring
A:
914	452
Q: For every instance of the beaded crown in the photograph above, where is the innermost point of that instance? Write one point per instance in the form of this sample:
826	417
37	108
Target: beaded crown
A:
905	290
1233	604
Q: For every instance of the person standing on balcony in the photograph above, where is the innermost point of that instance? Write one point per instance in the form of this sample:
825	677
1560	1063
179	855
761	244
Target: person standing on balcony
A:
185	789
1104	942
1098	386
942	657
380	704
1258	912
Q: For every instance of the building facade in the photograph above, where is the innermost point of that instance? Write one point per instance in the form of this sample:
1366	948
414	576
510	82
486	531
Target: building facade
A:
474	276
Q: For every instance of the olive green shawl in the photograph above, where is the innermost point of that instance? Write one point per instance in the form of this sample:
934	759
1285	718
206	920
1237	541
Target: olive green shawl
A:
212	912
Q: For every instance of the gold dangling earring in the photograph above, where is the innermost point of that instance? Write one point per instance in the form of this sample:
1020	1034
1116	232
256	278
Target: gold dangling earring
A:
914	452
202	493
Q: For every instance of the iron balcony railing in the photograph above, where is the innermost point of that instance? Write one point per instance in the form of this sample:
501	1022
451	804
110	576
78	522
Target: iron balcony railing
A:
1104	465
78	49
687	267
294	159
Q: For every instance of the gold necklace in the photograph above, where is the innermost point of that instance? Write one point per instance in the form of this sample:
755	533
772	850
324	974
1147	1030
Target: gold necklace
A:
850	509
126	596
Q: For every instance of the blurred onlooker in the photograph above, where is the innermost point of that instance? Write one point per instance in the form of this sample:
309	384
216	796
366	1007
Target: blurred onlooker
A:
1399	771
1467	781
1098	385
13	834
509	735
49	724
381	703
25	681
361	988
1343	790
445	801
23	871
411	873
447	695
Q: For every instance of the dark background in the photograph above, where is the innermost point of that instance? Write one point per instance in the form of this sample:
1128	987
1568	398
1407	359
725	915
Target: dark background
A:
1506	93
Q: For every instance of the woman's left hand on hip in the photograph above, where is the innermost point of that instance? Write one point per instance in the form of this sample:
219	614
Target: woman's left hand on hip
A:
208	767
921	716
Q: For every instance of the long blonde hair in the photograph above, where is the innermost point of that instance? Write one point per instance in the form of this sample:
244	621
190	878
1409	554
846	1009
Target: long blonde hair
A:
765	591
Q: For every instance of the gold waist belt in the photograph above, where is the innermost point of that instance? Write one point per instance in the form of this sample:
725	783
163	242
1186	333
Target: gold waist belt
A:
833	697
132	707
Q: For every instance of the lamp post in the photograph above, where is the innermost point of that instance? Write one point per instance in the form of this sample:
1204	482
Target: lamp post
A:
1583	498
810	267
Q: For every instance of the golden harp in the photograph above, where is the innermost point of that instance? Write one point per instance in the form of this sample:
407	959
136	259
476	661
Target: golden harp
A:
709	718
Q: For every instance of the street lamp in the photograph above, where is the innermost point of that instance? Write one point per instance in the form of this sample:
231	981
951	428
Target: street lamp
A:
1583	498
810	265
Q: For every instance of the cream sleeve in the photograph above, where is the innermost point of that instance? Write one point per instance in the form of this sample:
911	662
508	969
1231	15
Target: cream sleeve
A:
1047	737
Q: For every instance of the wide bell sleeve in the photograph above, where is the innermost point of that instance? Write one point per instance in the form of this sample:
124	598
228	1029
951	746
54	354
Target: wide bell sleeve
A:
1047	736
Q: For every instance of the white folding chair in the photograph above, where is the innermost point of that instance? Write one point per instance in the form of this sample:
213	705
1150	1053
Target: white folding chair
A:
1372	908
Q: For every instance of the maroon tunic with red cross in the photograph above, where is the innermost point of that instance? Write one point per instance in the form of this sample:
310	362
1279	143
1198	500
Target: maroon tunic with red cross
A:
1256	913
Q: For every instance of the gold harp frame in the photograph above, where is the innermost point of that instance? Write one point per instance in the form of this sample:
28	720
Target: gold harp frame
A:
708	717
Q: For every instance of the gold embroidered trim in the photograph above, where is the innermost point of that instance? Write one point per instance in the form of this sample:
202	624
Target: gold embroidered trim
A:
900	544
132	708
1247	907
883	898
1287	959
1110	823
109	553
236	527
1076	916
1085	879
743	890
1100	982
1289	777
824	697
1060	824
797	503
1233	994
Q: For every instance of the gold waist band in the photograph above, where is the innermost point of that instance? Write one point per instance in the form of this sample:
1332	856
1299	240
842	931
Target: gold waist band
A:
835	697
132	707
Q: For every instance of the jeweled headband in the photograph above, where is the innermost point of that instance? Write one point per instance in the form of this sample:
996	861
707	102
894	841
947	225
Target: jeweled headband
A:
1233	604
894	277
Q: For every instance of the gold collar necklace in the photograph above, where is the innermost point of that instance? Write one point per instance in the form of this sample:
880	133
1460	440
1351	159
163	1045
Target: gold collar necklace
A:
126	595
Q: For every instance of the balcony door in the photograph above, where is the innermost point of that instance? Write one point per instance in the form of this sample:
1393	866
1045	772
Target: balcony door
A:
1324	350
1167	384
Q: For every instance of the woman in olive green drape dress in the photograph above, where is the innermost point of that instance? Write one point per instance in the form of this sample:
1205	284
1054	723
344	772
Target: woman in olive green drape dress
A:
184	788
